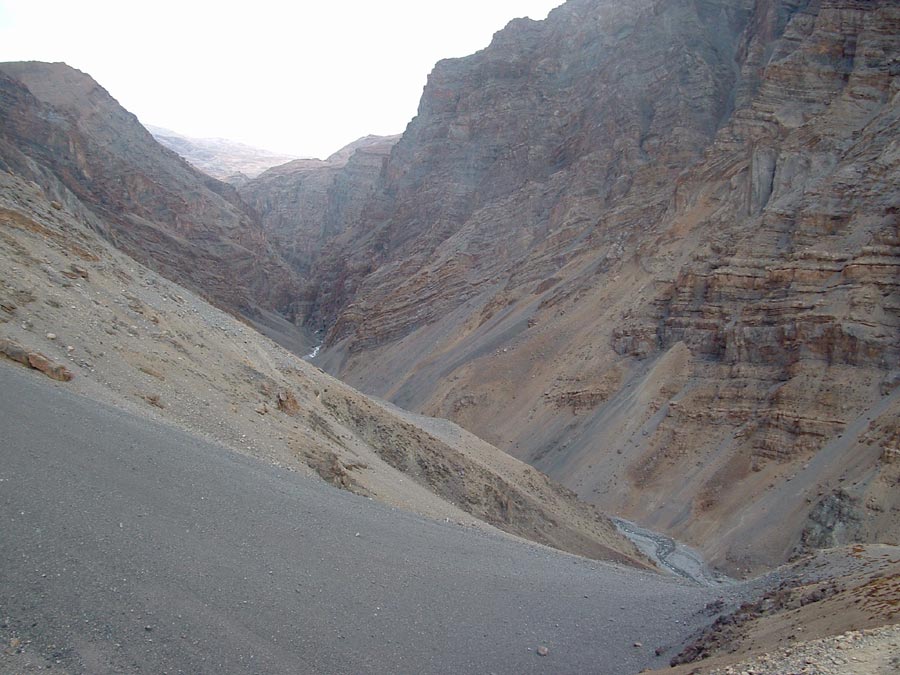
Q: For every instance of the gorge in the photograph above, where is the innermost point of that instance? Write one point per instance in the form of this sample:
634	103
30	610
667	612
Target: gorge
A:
637	263
650	249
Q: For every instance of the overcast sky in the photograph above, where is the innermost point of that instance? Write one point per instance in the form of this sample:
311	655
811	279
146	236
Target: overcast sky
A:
303	77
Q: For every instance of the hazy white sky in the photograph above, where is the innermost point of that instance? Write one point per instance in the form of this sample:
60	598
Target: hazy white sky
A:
303	77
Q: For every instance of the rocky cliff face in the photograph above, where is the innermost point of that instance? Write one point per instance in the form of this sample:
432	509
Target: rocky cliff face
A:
520	146
652	248
64	131
306	203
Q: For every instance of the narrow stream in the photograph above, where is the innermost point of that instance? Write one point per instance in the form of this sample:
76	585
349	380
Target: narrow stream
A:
671	555
314	353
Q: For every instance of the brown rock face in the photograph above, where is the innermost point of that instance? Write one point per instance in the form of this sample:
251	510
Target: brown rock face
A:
517	148
652	248
64	131
306	203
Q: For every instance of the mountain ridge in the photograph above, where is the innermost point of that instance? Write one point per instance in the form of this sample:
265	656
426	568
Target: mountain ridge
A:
77	300
634	243
145	198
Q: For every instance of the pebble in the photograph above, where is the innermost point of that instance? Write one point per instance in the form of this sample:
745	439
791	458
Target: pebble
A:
542	651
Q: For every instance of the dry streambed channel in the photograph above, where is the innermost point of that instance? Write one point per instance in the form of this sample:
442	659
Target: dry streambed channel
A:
673	556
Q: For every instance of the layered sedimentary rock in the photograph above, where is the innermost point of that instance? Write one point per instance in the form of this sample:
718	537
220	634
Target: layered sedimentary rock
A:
61	129
517	148
652	248
306	203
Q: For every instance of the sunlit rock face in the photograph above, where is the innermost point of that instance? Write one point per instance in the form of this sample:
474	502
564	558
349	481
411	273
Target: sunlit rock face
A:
650	247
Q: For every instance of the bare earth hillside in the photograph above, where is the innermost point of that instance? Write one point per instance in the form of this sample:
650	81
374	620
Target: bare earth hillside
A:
831	613
87	314
62	130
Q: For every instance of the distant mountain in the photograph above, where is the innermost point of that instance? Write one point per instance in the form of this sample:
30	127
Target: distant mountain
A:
219	157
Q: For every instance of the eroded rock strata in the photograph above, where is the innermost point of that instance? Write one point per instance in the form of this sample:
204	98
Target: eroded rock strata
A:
652	248
305	203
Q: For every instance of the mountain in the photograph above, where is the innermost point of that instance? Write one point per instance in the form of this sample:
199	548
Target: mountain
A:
61	129
219	157
83	185
305	203
650	248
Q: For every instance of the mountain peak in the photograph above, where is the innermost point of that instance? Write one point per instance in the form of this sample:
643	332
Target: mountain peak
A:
221	158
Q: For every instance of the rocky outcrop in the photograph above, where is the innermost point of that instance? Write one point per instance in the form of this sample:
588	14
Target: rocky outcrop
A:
804	611
651	248
61	129
833	522
32	359
306	203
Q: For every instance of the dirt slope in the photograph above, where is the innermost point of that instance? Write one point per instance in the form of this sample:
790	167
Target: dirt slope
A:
834	612
133	338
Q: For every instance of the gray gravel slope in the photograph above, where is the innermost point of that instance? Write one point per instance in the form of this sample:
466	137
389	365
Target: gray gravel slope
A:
130	546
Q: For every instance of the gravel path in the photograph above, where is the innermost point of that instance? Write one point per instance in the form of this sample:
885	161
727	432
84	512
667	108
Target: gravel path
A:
131	546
